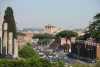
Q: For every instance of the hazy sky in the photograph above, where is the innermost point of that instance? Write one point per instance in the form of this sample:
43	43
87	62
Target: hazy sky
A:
64	13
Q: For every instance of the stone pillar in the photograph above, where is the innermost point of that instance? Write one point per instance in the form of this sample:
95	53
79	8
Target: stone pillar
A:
0	45
15	55
0	38
73	40
1	20
10	43
69	43
4	47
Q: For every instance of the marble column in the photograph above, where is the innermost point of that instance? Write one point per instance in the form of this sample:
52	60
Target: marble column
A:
73	40
10	43
0	45
69	44
0	38
15	55
1	20
4	46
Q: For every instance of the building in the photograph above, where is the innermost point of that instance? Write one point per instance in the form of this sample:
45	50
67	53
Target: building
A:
51	29
24	38
9	44
21	41
8	40
28	36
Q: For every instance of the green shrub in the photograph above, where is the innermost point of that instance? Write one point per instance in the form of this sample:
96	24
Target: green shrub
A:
27	52
58	64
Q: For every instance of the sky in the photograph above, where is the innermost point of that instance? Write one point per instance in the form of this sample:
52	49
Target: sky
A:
68	14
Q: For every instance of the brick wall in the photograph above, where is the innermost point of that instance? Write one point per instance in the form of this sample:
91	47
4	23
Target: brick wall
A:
98	51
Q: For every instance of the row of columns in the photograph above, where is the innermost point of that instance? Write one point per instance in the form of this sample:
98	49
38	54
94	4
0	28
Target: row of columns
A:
9	45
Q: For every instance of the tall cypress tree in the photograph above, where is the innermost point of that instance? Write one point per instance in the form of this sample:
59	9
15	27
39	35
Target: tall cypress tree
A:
9	19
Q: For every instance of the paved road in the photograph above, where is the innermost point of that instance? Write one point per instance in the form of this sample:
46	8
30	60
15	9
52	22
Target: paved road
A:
48	54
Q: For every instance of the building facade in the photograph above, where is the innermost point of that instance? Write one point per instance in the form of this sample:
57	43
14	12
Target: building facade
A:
24	38
51	29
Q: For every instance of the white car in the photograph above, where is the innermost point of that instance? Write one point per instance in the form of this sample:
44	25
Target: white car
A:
40	53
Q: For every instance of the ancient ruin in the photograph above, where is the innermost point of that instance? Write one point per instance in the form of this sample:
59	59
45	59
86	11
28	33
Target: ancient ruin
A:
8	39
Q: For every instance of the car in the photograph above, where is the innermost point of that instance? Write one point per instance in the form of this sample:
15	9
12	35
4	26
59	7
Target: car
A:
72	56
91	61
65	58
40	53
